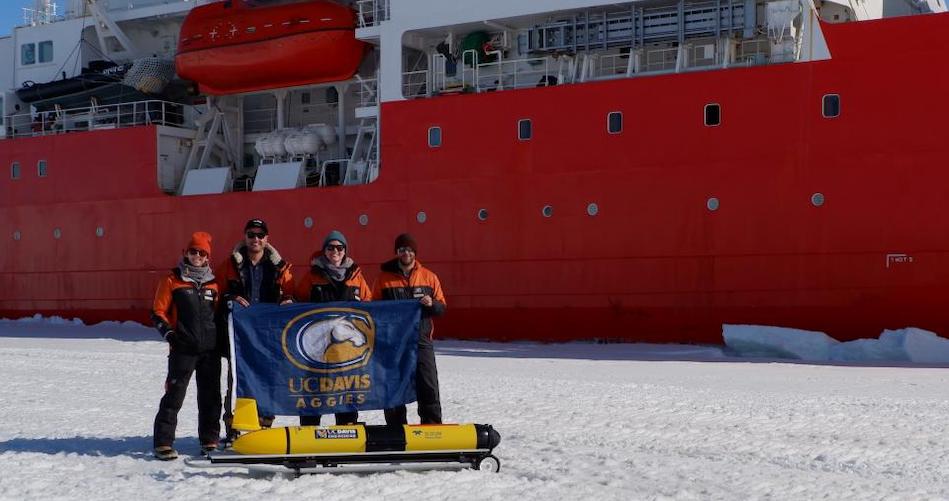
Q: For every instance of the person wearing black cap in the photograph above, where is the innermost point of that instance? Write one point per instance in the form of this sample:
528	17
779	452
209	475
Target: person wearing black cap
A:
405	278
333	276
183	313
254	273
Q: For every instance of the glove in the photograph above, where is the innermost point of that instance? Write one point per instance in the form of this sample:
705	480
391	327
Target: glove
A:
169	336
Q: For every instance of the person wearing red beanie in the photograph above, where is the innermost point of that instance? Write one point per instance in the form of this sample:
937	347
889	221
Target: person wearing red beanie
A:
184	314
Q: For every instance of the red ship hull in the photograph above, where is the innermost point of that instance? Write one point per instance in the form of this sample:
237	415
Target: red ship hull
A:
229	50
653	264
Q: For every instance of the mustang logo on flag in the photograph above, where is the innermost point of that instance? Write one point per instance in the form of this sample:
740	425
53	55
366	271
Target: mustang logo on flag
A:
308	359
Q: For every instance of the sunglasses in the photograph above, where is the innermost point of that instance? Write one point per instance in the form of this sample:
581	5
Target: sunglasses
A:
254	234
404	250
339	248
197	252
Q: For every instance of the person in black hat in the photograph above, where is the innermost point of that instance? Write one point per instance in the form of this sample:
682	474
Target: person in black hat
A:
333	276
254	273
405	278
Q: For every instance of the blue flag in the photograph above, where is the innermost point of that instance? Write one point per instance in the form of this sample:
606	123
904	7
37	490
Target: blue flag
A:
310	359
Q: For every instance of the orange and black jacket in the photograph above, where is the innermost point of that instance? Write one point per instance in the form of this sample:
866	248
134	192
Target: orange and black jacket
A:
234	276
393	284
183	312
317	287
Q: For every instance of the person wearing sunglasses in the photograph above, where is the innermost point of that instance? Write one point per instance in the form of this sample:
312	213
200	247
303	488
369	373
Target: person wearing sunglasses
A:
405	278
253	273
333	276
184	314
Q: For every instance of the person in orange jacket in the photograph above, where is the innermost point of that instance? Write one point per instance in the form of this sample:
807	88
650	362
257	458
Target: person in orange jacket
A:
405	278
333	276
253	273
184	314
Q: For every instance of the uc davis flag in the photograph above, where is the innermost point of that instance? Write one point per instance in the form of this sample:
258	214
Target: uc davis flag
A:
308	359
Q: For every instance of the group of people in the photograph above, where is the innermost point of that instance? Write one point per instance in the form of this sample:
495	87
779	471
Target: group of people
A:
190	313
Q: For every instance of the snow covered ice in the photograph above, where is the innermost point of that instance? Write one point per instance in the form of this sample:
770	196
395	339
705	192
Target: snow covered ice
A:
578	421
904	345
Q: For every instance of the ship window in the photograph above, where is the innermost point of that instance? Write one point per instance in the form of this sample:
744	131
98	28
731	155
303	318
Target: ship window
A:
434	137
614	122
831	106
713	115
46	51
525	129
28	54
41	168
15	170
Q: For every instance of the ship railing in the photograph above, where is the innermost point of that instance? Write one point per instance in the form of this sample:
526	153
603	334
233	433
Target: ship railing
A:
372	12
112	116
33	17
368	91
264	120
513	74
415	84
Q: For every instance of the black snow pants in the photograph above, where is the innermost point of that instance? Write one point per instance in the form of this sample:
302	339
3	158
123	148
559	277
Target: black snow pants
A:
207	369
426	388
341	418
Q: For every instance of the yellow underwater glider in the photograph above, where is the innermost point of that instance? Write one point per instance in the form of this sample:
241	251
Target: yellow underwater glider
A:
354	448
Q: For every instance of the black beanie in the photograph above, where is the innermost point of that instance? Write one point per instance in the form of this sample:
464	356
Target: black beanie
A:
406	240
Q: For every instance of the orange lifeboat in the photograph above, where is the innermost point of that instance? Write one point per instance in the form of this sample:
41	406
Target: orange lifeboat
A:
234	46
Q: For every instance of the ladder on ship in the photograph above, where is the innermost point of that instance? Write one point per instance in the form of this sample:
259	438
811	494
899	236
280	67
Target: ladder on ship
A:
363	165
638	26
217	139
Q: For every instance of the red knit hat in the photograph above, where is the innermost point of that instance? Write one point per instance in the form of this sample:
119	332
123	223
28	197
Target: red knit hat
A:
200	240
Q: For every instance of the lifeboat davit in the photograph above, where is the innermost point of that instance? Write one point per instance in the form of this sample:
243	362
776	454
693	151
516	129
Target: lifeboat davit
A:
232	46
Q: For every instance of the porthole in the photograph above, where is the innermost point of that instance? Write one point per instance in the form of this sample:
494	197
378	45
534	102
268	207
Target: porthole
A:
547	211
817	199
712	204
483	214
593	209
434	137
17	235
421	217
830	106
57	233
15	170
614	122
713	115
525	129
100	232
363	219
41	168
308	222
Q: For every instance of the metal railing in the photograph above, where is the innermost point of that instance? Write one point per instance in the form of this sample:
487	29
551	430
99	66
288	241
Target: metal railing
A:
372	12
368	91
470	75
415	84
113	116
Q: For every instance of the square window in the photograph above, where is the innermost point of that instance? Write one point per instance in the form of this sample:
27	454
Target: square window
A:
525	129
614	122
15	170
830	106
41	168
46	51
434	137
28	54
713	115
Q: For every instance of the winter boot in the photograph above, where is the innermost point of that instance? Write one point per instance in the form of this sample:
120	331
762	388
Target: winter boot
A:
165	453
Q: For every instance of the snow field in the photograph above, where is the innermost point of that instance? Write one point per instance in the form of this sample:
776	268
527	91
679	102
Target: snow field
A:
577	421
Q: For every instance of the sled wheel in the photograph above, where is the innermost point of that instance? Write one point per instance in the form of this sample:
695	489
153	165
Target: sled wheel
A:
489	464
